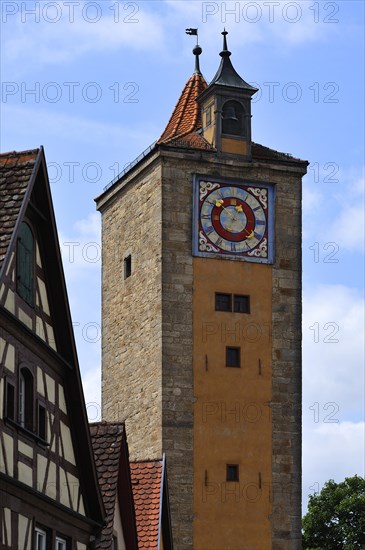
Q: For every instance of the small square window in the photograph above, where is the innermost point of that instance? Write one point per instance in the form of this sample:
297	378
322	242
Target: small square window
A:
241	304
127	266
232	472
223	302
233	358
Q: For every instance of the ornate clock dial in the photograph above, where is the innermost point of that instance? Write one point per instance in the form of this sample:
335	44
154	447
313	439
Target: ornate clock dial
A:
233	220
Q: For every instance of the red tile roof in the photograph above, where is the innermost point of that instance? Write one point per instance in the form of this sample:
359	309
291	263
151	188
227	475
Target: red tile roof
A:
147	493
106	440
186	118
15	173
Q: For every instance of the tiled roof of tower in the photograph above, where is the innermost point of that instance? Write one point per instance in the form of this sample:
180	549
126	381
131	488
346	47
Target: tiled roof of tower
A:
146	484
106	438
186	119
15	172
260	152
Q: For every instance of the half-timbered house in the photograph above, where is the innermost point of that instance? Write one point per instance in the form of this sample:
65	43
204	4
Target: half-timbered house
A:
49	495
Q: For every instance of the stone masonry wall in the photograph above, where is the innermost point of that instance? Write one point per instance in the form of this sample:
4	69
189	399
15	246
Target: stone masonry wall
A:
148	329
131	313
287	366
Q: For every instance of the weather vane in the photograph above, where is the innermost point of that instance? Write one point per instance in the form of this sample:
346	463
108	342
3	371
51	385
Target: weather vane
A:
192	32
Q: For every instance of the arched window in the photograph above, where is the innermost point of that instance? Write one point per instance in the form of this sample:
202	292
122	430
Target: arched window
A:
25	264
233	118
26	400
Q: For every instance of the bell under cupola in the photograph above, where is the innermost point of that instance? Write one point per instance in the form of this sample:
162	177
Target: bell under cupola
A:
226	109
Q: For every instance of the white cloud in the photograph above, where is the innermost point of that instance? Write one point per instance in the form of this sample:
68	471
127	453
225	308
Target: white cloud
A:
331	451
336	215
81	250
333	348
251	22
347	229
51	34
84	131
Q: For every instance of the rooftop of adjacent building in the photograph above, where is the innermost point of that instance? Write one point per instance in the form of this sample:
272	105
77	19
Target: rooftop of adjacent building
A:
147	480
16	169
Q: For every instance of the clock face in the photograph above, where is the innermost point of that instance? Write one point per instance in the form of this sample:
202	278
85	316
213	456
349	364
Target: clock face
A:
232	220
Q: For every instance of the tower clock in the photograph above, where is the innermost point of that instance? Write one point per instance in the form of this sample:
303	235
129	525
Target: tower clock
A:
233	220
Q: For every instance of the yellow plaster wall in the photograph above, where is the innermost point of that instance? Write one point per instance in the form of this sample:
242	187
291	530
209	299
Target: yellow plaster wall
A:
232	419
208	133
234	146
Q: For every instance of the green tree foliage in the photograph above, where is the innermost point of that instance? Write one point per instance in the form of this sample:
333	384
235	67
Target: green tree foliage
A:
336	516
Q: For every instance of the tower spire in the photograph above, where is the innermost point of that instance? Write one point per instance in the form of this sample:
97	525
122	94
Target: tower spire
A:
225	52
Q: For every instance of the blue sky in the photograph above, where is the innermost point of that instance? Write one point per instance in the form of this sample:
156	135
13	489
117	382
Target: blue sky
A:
95	84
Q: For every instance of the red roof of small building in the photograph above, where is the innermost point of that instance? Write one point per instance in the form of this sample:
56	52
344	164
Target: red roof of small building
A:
186	119
147	479
108	439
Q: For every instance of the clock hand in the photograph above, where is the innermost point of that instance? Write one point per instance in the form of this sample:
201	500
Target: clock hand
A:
219	204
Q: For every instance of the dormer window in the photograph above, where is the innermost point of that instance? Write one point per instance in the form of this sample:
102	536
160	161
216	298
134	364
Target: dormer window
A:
233	118
25	264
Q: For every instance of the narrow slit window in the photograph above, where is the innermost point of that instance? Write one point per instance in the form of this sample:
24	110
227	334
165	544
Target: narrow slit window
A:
241	304
26	399
127	266
232	472
233	357
10	401
223	302
42	422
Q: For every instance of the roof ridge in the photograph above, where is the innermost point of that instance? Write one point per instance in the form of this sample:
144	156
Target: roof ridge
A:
139	461
107	423
19	153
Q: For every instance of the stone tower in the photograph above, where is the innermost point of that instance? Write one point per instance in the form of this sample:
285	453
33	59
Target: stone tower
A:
201	293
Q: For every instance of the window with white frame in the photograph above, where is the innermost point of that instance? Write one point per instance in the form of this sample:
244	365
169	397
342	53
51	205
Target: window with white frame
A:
61	544
40	542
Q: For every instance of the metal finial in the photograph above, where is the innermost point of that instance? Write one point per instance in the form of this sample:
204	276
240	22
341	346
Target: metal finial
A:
197	51
225	52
